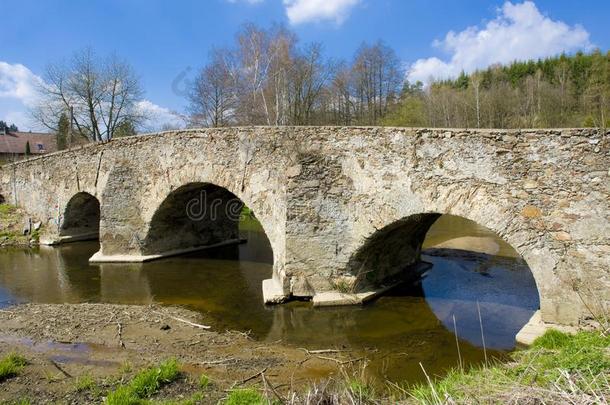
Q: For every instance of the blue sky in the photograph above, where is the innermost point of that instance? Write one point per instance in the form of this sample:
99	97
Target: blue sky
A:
164	39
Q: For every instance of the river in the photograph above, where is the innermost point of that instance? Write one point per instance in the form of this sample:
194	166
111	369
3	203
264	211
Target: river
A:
410	325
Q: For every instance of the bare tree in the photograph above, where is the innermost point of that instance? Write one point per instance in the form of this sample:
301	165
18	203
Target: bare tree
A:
377	79
213	97
102	93
310	75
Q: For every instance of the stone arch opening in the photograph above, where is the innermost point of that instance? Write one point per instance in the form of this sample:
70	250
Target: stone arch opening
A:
2	199
193	217
389	252
462	270
81	219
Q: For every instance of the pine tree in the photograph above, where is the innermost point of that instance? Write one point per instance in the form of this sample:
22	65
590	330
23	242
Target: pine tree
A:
63	130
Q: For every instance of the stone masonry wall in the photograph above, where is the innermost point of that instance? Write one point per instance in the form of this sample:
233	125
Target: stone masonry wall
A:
321	193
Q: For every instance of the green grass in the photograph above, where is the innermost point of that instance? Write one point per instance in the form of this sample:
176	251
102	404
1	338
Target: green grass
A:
11	229
144	384
247	396
7	209
555	361
204	381
84	383
11	365
585	353
22	401
360	390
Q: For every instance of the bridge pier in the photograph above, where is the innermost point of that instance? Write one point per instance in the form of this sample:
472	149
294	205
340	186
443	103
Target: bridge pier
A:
99	257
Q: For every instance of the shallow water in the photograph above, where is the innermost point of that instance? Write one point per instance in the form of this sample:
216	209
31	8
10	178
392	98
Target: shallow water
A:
411	324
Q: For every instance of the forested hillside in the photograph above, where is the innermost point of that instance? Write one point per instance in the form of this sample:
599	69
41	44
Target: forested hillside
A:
564	91
268	78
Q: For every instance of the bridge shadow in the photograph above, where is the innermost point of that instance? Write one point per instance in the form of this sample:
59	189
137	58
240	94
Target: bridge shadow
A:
194	216
81	219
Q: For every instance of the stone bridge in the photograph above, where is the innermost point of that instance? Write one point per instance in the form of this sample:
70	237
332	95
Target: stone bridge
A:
343	208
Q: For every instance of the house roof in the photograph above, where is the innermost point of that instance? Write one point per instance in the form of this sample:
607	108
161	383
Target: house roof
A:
15	142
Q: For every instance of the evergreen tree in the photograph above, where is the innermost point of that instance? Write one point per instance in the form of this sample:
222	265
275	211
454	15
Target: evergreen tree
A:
63	131
562	91
7	127
27	149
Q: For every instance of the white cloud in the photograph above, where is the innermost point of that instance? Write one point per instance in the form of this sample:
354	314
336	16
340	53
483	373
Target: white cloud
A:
519	32
18	82
17	94
302	11
159	117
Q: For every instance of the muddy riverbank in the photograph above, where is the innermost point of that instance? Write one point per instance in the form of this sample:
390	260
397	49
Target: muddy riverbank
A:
65	343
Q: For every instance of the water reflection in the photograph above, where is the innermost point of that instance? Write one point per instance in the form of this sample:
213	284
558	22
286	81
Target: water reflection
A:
412	324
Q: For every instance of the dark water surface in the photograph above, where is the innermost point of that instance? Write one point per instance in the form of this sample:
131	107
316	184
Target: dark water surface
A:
411	324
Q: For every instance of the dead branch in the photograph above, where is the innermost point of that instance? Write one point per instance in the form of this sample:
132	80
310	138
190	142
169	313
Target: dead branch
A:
324	351
277	395
175	318
64	372
242	382
340	362
208	363
120	334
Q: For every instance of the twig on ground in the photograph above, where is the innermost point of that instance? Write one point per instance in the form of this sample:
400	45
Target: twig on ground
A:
212	362
267	383
322	351
242	382
340	362
175	318
120	334
64	372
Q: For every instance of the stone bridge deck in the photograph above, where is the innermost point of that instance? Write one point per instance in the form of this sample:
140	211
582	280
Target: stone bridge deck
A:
340	206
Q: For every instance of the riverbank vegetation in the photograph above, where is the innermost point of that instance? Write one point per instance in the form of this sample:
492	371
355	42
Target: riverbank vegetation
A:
559	92
11	365
557	368
12	221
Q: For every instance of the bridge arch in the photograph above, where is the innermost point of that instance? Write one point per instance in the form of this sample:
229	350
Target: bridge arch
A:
193	216
81	218
461	262
390	249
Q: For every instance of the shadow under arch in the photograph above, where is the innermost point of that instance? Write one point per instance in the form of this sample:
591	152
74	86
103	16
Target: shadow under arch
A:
81	219
195	216
389	252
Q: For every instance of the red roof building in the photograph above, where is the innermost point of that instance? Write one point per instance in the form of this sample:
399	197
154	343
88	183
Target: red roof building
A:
13	144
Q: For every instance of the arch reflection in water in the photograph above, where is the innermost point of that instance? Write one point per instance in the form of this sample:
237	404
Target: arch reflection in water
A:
475	271
225	283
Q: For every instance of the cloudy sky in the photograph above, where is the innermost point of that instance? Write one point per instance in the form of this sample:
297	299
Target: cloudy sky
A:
166	41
